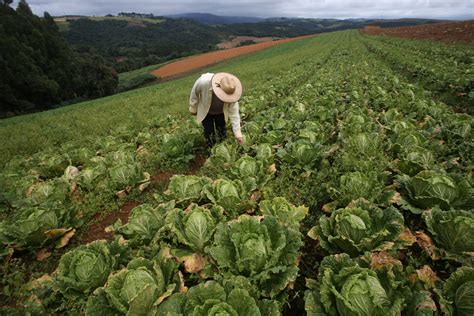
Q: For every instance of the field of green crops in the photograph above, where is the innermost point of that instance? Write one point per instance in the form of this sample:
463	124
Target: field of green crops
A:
353	193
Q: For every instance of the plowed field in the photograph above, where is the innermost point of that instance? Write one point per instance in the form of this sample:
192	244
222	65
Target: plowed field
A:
446	32
199	61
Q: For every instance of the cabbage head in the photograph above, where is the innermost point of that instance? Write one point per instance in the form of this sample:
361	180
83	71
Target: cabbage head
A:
286	213
121	176
452	231
357	229
301	154
264	152
355	185
144	222
416	159
135	290
28	227
85	268
211	298
264	251
176	146
348	289
232	195
428	189
251	170
193	228
458	293
186	189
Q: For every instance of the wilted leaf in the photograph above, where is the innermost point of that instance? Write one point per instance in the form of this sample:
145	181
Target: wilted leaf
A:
42	254
395	199
407	237
313	234
272	169
329	207
426	243
37	282
65	238
382	259
193	263
55	233
182	287
426	275
121	194
143	186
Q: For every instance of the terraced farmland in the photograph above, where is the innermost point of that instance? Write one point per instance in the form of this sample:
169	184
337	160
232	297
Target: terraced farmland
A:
351	196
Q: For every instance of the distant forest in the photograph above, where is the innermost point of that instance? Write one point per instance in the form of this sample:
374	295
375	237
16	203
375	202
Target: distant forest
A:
39	69
145	39
135	43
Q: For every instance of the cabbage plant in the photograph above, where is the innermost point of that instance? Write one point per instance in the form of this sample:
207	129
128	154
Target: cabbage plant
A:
193	228
85	268
287	213
232	195
251	171
355	185
185	189
135	290
428	189
301	154
28	226
144	222
346	288
210	298
358	228
262	250
452	231
416	159
458	293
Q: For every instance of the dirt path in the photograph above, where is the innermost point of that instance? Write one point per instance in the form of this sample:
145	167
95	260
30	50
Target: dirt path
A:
458	32
199	61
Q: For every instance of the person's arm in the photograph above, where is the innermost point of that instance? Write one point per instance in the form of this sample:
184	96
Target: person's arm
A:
234	117
194	97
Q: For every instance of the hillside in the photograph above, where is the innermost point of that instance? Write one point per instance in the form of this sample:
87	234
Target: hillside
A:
207	18
133	41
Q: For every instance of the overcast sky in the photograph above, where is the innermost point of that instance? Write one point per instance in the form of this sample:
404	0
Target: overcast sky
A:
443	9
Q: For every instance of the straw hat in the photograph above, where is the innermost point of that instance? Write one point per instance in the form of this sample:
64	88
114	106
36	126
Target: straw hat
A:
226	87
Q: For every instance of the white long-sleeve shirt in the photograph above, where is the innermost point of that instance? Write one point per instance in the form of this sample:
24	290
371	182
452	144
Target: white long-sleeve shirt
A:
200	102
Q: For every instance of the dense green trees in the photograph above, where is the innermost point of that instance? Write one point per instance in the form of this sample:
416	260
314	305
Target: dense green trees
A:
38	68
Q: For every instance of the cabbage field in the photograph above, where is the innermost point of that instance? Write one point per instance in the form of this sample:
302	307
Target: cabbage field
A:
352	195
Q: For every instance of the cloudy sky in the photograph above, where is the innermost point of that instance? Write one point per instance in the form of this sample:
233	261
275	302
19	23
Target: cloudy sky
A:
449	9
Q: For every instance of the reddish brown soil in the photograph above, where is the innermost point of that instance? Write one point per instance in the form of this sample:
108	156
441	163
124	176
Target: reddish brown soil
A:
96	230
458	32
199	61
161	176
197	163
239	39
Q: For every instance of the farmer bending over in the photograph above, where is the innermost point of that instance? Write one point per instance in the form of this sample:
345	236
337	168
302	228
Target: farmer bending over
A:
214	100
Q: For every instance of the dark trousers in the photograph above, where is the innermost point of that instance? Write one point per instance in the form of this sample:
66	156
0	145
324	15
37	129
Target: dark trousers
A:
214	128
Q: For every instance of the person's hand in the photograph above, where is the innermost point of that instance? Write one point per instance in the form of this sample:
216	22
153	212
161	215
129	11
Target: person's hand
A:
240	140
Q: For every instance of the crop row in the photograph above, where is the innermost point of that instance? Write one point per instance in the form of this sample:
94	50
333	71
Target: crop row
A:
452	76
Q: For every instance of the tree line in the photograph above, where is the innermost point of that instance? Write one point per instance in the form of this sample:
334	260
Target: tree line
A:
39	70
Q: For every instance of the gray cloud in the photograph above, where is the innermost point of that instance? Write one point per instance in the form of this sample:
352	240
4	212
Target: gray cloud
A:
454	9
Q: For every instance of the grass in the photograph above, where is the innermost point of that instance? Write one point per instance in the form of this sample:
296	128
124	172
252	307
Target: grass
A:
81	123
